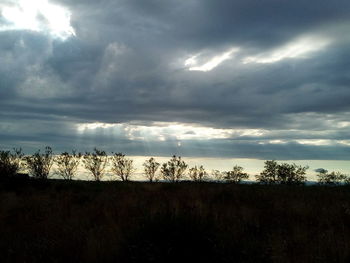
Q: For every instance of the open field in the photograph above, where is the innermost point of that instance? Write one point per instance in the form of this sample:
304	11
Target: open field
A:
80	221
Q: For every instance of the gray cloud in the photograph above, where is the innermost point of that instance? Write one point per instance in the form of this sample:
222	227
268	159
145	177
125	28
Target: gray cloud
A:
126	64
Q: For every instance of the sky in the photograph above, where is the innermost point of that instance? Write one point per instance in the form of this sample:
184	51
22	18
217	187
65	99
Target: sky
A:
198	78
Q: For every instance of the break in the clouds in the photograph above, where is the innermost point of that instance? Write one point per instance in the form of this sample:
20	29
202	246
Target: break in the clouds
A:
253	79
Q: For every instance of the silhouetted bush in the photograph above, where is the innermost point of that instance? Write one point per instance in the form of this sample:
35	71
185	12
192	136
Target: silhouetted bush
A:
197	174
67	164
10	163
95	162
217	175
39	164
284	173
122	167
332	178
236	175
150	169
174	169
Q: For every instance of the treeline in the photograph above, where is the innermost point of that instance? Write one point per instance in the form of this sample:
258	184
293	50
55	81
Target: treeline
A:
98	163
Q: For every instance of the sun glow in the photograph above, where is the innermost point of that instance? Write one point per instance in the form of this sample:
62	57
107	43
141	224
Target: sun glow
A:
39	16
161	131
299	48
193	64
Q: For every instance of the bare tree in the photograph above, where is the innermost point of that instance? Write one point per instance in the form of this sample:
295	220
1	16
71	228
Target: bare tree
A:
95	162
67	164
150	168
174	169
197	174
39	164
10	162
122	167
236	175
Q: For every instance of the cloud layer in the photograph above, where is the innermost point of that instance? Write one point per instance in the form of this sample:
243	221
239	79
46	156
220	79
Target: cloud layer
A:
257	79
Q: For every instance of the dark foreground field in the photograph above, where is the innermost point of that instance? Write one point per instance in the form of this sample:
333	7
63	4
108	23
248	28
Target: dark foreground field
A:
58	221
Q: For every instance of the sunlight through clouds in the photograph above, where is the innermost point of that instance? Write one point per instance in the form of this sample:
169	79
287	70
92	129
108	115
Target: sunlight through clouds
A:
193	64
298	48
168	131
39	16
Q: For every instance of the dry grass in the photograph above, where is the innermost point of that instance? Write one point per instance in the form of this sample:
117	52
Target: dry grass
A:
58	221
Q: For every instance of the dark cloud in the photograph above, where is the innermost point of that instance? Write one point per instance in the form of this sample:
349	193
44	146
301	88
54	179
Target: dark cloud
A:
126	65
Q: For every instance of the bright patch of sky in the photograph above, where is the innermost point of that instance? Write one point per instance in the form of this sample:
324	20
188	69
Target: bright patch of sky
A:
37	15
193	64
299	48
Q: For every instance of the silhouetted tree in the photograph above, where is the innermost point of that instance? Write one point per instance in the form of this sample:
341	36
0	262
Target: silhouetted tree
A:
284	173
236	175
291	173
174	169
269	174
39	164
332	178
150	168
217	175
67	164
10	162
95	162
122	167
197	174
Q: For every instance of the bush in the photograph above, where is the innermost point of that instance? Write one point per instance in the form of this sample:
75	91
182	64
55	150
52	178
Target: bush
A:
122	167
39	164
197	174
236	175
284	173
332	178
150	169
96	162
174	169
10	162
67	164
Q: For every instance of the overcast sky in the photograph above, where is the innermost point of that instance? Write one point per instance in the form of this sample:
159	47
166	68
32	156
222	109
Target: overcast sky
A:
206	78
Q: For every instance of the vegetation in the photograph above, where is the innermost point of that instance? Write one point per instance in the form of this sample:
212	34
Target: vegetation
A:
39	164
236	175
122	167
81	221
150	169
197	174
332	178
217	175
10	162
67	164
174	169
284	173
96	162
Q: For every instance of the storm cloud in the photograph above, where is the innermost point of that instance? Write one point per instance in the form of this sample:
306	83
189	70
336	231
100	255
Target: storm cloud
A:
253	79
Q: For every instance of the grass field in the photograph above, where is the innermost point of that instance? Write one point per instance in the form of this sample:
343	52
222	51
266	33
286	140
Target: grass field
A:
80	221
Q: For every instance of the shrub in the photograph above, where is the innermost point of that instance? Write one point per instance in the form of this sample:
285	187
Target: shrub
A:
284	173
217	175
95	162
39	164
236	175
10	162
67	164
333	178
174	169
122	167
197	174
150	169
